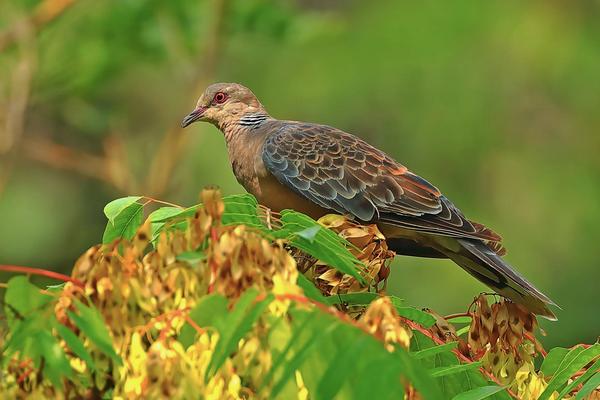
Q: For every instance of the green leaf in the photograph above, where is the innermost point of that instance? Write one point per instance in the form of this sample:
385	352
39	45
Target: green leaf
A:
310	290
454	369
361	299
433	350
479	393
164	213
463	330
207	312
125	224
418	376
235	326
460	320
553	360
337	360
454	384
571	363
115	207
326	246
159	217
76	345
589	386
22	298
242	209
334	377
90	322
309	233
193	258
56	288
581	380
56	363
421	317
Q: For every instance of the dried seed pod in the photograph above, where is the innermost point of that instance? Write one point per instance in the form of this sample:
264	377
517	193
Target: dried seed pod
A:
381	320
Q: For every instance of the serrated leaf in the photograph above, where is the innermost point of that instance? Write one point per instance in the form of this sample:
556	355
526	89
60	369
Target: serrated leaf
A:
90	322
115	207
125	224
479	393
76	345
432	351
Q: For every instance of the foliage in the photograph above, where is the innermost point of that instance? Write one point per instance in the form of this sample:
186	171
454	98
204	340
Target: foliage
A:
493	101
229	300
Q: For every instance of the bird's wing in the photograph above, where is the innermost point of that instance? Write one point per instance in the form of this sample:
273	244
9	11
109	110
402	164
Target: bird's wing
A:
341	172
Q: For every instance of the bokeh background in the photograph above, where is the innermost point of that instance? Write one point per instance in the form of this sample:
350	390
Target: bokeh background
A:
495	102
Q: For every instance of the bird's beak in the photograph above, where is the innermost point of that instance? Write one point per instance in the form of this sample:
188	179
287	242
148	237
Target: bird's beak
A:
193	116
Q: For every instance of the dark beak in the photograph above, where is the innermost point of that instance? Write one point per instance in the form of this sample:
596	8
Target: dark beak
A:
193	116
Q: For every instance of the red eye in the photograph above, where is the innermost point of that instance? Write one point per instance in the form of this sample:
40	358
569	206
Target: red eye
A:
220	98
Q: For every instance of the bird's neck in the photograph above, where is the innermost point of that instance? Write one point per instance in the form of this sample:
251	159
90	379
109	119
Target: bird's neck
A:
239	125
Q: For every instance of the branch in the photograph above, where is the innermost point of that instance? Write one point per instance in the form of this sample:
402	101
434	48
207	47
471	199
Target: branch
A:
66	158
40	272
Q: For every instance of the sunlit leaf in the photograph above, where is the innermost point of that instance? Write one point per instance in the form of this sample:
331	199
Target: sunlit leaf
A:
113	209
124	224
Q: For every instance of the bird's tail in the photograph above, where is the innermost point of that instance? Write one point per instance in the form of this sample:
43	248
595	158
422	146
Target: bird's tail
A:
483	263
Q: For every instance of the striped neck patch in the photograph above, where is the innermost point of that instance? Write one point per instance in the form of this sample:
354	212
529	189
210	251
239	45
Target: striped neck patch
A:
252	120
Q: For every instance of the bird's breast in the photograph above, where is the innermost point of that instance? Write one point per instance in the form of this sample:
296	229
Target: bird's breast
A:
279	197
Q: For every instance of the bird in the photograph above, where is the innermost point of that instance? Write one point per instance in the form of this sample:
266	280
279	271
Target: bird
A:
318	169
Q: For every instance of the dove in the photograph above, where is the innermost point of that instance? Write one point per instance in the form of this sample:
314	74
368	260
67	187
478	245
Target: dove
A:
318	169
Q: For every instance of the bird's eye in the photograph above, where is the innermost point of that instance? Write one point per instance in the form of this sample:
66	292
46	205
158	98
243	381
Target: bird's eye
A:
220	98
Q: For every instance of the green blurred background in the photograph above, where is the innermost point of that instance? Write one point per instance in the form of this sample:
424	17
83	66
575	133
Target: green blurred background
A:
495	102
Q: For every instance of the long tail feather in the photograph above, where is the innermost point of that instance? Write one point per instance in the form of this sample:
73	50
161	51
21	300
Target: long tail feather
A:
488	267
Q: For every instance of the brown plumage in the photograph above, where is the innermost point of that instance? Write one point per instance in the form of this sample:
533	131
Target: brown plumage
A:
317	169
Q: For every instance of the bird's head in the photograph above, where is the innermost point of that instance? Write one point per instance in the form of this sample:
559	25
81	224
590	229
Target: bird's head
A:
222	102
